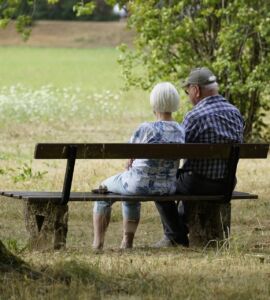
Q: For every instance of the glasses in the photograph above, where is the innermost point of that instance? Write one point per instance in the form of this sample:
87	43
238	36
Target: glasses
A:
187	89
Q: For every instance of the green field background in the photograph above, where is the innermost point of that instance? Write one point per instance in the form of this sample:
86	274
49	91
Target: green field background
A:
89	69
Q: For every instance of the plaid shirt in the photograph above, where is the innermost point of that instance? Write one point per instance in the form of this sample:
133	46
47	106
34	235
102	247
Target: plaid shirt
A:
212	120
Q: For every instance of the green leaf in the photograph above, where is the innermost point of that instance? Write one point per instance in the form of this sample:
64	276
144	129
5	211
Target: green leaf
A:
82	9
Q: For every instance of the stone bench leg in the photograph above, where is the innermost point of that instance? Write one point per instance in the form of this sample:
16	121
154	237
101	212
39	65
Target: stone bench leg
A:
47	224
209	223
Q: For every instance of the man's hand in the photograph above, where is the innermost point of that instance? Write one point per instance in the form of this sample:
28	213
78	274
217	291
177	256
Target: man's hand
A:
129	163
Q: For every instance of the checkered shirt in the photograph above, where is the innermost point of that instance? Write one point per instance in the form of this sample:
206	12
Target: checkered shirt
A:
212	120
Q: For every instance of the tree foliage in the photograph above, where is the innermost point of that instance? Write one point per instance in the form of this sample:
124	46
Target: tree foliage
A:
231	37
25	11
12	9
96	10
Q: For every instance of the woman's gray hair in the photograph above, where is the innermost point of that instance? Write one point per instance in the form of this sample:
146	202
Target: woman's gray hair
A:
164	98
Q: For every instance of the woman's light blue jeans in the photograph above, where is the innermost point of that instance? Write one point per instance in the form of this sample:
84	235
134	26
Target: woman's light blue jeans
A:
130	210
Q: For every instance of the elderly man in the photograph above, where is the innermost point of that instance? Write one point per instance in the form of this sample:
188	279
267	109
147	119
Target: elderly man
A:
212	120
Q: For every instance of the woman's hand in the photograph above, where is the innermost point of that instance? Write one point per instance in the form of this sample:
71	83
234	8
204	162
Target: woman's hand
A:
129	163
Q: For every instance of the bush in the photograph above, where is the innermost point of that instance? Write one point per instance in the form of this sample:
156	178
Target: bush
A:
230	37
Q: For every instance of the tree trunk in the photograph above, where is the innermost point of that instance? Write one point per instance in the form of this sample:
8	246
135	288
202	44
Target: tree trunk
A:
11	263
9	260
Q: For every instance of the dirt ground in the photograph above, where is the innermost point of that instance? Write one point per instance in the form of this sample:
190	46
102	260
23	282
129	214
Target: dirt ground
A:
70	34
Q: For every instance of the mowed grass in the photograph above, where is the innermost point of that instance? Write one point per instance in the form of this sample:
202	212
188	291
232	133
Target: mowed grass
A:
89	69
73	95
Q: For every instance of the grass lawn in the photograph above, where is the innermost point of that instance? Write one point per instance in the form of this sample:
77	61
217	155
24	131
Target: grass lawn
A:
74	95
88	69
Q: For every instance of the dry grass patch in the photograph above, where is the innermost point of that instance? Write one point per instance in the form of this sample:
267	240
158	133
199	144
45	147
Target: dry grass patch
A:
70	34
147	274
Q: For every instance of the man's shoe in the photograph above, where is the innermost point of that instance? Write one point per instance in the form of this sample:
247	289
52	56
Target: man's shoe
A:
165	243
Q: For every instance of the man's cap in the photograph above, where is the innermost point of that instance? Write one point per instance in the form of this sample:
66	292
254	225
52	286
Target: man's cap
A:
200	76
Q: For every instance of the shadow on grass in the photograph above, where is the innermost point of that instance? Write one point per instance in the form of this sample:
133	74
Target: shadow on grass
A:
72	275
131	282
116	274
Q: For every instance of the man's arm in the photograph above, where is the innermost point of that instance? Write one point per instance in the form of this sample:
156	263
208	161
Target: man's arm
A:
192	129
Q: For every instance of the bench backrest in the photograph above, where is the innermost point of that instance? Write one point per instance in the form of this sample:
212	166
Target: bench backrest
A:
172	151
71	152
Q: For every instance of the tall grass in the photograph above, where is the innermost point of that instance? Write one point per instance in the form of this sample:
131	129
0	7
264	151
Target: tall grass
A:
47	103
73	95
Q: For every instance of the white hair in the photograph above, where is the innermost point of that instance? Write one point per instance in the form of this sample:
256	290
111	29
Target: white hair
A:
211	86
164	98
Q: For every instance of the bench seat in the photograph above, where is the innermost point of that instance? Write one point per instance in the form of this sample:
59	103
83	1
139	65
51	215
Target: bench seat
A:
56	197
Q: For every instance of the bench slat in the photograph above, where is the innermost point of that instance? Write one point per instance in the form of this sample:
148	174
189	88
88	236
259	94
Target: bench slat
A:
88	196
169	151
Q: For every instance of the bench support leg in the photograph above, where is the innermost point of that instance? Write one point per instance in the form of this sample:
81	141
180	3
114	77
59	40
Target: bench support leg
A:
47	224
209	223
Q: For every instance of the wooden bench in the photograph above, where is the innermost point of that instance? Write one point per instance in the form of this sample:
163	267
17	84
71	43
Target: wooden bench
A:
46	213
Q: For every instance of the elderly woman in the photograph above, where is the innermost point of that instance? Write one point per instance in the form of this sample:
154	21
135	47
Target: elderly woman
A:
143	176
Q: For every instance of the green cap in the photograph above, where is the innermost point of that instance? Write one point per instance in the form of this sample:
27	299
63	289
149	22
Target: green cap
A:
200	76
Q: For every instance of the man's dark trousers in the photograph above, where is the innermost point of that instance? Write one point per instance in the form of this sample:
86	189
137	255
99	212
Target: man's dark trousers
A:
174	221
